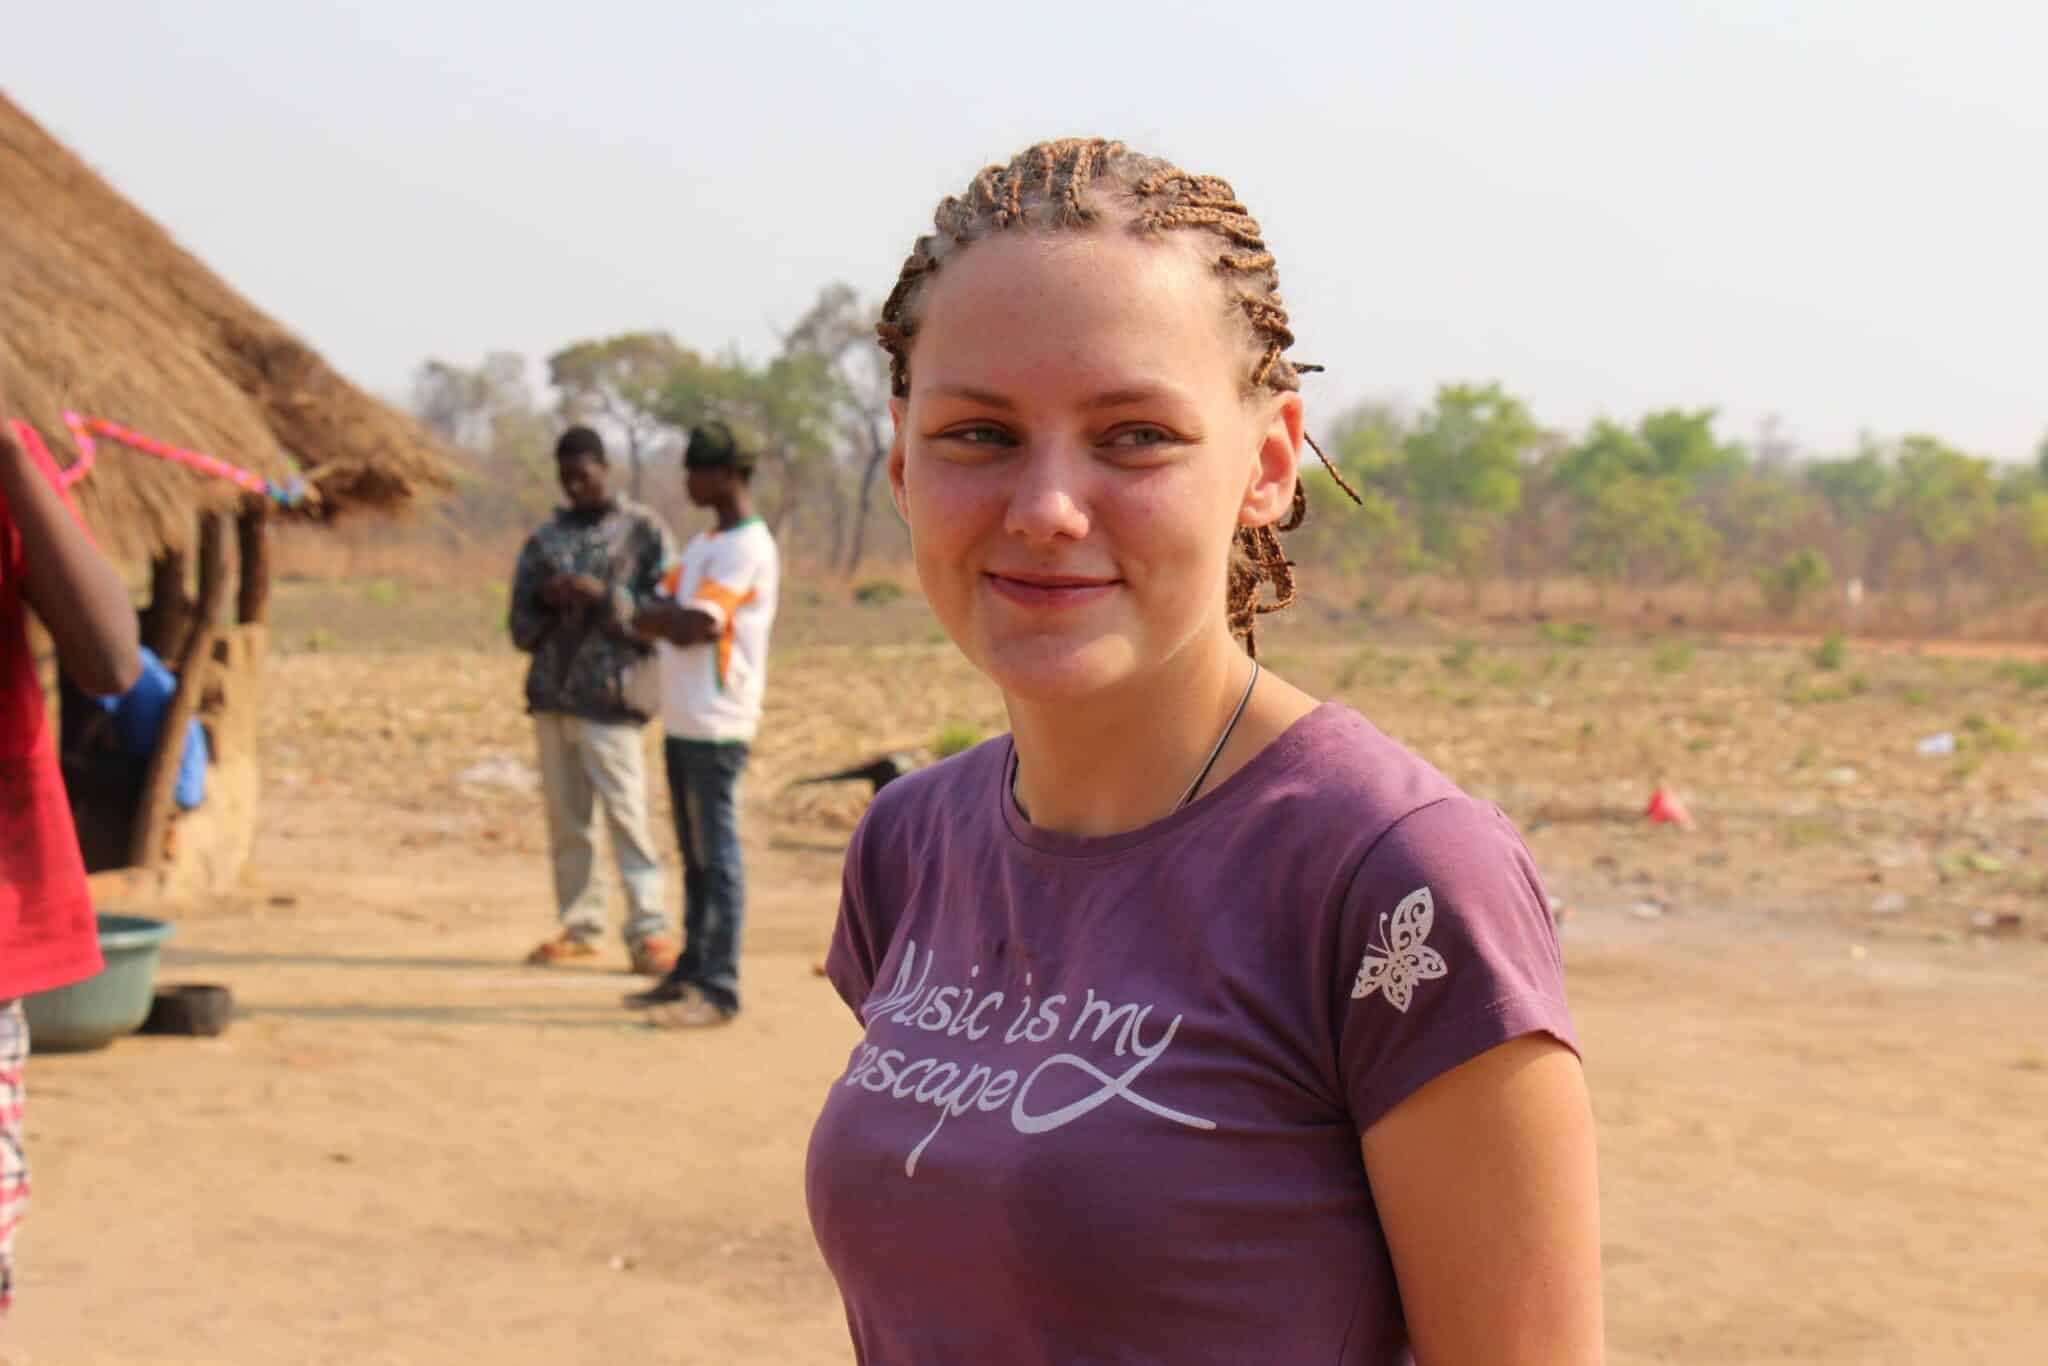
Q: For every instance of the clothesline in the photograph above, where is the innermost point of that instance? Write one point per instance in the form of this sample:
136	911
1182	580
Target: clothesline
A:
291	493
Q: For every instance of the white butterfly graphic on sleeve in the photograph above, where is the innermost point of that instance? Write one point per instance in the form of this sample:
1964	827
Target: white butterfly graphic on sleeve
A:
1401	959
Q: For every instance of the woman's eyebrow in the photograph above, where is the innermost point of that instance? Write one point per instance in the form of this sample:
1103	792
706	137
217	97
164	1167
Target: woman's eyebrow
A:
1109	398
1134	393
986	397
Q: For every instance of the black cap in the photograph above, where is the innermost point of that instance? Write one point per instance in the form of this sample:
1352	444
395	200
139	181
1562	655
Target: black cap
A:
713	447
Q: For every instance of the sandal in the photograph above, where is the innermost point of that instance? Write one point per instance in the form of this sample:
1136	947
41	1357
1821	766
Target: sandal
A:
561	949
654	956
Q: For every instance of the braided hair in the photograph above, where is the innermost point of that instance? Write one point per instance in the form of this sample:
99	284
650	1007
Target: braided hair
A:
1073	183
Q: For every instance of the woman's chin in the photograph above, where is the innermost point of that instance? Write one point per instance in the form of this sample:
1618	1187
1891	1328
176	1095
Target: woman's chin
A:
1054	667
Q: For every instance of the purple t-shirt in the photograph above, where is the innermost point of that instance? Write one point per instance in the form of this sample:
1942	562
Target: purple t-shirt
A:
1109	1101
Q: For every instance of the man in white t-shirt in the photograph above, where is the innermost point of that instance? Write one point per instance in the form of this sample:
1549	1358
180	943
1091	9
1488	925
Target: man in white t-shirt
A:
714	610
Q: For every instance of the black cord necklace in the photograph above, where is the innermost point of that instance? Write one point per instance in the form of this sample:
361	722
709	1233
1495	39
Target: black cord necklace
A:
1215	753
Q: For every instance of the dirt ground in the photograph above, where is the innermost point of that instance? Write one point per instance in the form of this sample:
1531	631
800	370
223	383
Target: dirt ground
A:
1815	1025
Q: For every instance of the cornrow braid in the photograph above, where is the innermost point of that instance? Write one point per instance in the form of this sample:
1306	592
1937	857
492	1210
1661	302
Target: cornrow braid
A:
1070	183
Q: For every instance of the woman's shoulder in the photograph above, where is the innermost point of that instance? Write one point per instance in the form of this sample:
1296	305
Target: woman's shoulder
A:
1338	779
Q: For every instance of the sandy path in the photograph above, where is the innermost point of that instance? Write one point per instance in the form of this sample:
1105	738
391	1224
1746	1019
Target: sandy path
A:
412	1150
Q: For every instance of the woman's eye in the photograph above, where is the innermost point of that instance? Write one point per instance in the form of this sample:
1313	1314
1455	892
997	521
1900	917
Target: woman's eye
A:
1139	438
979	435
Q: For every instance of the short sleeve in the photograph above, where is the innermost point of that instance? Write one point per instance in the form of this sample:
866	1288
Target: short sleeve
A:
732	572
1447	949
857	942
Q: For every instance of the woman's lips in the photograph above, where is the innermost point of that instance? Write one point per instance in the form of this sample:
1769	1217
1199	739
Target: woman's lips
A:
1049	590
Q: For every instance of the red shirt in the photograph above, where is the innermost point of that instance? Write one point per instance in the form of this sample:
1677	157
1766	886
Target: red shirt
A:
48	936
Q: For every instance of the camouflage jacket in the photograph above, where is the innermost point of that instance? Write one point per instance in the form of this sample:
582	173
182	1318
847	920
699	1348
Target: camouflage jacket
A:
586	660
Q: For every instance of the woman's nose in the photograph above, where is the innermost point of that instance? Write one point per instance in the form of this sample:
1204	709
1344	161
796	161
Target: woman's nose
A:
1048	502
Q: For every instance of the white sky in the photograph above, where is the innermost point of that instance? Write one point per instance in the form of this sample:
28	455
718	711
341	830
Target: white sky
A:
1831	210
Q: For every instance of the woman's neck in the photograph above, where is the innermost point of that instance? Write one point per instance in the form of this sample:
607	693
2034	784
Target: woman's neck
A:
1121	760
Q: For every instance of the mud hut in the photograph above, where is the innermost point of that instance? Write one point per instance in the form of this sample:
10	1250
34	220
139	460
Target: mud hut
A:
102	314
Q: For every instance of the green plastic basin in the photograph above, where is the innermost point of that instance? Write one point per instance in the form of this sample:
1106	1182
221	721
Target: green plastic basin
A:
112	1002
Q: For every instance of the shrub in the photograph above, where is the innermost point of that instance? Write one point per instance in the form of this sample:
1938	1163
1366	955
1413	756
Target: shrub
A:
877	593
2031	676
956	739
1784	585
1674	658
1577	634
1990	735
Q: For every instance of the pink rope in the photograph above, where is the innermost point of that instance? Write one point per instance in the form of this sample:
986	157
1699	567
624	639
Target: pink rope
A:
82	429
82	433
61	480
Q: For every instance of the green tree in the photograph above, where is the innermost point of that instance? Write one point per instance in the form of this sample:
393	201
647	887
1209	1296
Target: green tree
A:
783	408
1461	468
1683	447
1753	512
465	405
1636	528
1375	535
1365	443
1860	494
1595	473
1537	540
839	330
1635	495
2016	485
1857	488
1786	584
1947	498
616	383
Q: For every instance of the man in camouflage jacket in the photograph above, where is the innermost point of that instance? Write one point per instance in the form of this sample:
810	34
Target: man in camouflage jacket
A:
591	688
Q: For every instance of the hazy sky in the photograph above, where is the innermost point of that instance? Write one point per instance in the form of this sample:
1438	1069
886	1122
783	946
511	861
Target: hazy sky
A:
1835	211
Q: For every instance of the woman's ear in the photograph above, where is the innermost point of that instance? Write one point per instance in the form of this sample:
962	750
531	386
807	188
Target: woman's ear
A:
899	409
1269	494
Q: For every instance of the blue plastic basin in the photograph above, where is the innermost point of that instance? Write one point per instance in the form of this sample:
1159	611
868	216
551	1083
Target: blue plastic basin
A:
112	1002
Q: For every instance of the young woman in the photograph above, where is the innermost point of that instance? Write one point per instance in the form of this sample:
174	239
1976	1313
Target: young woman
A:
1203	1022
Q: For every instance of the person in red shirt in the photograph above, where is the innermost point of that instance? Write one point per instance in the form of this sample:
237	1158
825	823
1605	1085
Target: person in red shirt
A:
48	935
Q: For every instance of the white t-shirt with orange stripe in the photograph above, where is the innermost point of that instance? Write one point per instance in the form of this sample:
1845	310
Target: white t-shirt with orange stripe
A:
713	691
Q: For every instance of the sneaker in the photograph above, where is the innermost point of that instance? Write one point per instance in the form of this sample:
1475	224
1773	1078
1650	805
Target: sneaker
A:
561	949
693	1011
654	956
666	992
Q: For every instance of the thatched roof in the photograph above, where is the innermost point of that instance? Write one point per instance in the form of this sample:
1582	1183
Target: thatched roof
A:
103	314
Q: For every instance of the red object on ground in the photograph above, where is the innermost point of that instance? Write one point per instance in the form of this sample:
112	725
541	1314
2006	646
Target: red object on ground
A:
1666	809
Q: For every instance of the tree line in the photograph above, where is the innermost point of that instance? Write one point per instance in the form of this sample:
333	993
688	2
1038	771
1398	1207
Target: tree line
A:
1470	486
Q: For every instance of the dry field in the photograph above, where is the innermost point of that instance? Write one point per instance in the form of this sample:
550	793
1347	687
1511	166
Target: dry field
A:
1815	1024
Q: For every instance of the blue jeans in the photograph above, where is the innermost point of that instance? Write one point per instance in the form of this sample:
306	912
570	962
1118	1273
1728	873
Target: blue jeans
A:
704	787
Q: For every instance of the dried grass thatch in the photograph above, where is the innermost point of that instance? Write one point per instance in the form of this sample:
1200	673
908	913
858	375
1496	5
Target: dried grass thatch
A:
103	314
